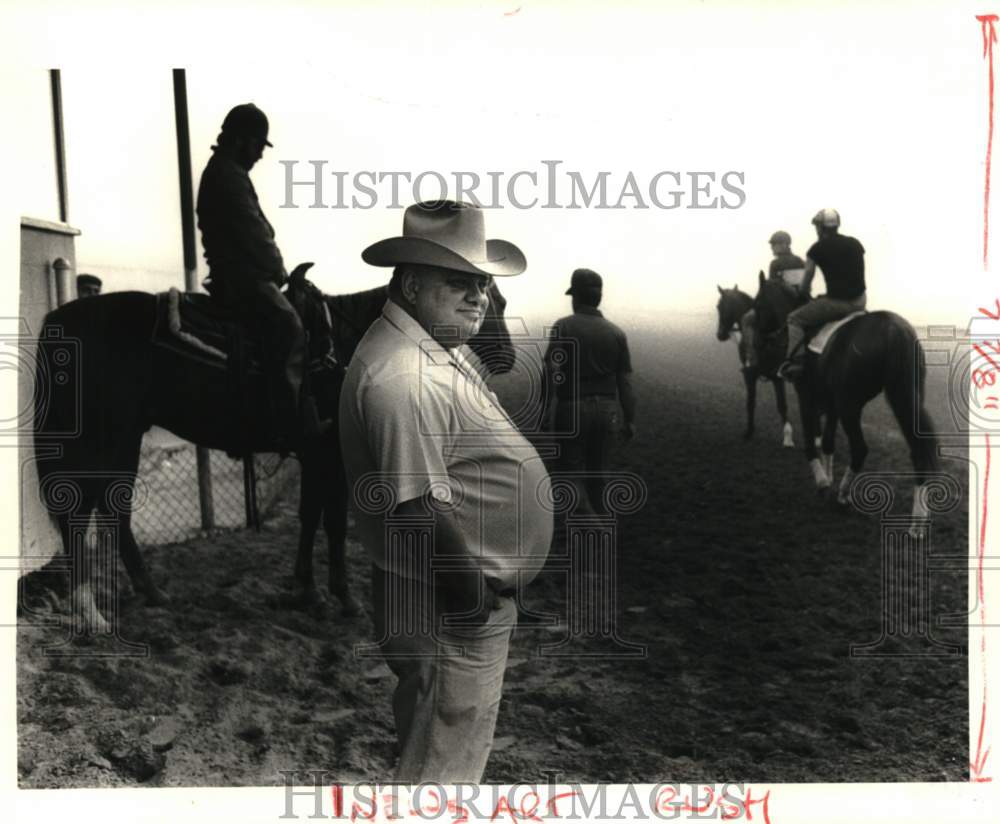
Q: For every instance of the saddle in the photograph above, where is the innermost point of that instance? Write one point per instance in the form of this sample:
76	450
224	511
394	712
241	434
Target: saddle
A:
194	326
818	341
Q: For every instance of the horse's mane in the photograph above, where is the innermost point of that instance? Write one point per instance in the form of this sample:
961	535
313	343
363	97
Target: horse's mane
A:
352	314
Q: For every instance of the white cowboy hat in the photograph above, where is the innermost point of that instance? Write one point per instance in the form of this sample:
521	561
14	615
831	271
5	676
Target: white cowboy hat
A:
449	235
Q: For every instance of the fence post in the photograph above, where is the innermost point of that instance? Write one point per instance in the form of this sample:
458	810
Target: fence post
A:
191	266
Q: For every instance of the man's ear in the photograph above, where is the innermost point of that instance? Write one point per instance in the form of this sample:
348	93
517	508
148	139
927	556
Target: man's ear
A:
409	285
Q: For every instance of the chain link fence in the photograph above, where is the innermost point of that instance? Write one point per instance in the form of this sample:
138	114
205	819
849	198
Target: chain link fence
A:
171	511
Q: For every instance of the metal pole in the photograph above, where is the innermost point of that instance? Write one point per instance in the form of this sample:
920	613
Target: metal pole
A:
191	267
60	144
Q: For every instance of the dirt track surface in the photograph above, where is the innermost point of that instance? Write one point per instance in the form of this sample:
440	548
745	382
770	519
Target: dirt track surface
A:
746	589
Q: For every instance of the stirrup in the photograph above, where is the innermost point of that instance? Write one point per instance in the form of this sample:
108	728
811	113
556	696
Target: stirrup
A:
791	370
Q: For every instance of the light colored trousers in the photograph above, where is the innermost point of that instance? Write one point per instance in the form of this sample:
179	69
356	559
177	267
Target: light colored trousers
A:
450	681
817	312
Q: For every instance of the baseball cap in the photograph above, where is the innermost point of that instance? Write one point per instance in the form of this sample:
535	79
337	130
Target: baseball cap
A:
584	279
247	120
780	237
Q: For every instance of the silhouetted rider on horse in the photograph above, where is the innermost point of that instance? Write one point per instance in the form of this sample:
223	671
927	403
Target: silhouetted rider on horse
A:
246	270
842	260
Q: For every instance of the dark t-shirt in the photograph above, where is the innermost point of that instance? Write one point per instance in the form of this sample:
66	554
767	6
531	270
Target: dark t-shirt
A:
782	263
591	346
842	259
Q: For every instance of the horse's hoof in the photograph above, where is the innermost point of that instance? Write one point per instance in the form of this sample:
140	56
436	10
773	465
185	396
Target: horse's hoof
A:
92	623
350	608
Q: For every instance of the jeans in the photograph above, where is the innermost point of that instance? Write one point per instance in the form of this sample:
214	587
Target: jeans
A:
450	679
815	313
263	308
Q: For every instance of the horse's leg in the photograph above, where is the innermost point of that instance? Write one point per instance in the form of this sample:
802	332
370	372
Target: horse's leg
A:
810	436
128	549
829	441
787	438
905	393
750	374
335	526
86	616
851	421
310	510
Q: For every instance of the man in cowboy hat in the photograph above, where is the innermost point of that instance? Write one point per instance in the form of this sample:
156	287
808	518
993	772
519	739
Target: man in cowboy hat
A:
430	452
589	367
246	269
787	268
842	259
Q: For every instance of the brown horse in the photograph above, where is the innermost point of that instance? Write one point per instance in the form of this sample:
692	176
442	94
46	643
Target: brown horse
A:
93	406
873	353
732	307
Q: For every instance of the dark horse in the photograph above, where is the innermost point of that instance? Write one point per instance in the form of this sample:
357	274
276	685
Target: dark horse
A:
732	306
324	492
874	352
89	426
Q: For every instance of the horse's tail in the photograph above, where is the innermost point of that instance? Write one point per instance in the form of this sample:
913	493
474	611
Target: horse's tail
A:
905	379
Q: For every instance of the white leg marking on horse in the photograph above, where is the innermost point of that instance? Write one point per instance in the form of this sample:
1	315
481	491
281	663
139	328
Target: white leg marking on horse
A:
919	509
818	442
844	495
86	615
788	440
828	466
822	481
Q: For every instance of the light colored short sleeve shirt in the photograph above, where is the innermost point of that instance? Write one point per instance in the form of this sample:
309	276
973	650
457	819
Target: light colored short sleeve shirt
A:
416	418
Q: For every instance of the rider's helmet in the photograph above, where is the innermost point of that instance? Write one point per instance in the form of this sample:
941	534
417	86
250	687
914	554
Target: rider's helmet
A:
827	217
781	237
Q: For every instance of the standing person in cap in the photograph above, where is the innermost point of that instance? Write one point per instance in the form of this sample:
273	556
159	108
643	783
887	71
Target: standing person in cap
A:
589	366
842	259
87	286
787	268
246	269
420	429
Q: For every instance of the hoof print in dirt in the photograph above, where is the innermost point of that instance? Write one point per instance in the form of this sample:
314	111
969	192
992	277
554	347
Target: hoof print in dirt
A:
136	758
350	608
252	731
164	733
226	672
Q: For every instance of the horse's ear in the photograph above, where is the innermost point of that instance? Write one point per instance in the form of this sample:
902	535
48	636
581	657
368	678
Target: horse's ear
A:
760	277
298	274
721	290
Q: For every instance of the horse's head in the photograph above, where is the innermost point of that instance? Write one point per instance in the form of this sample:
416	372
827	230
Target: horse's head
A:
308	301
731	306
492	342
773	303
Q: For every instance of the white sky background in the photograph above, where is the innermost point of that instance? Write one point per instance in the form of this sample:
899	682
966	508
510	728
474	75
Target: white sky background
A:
867	109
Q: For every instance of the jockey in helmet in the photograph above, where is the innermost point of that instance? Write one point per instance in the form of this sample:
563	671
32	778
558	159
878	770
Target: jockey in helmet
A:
842	259
785	267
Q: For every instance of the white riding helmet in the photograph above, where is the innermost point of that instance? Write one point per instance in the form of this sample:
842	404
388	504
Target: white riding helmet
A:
827	217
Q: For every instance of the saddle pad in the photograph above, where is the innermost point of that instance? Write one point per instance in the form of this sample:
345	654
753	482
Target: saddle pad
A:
822	337
792	277
192	325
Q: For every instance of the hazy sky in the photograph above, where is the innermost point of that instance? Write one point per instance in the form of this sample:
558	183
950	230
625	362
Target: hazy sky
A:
878	111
